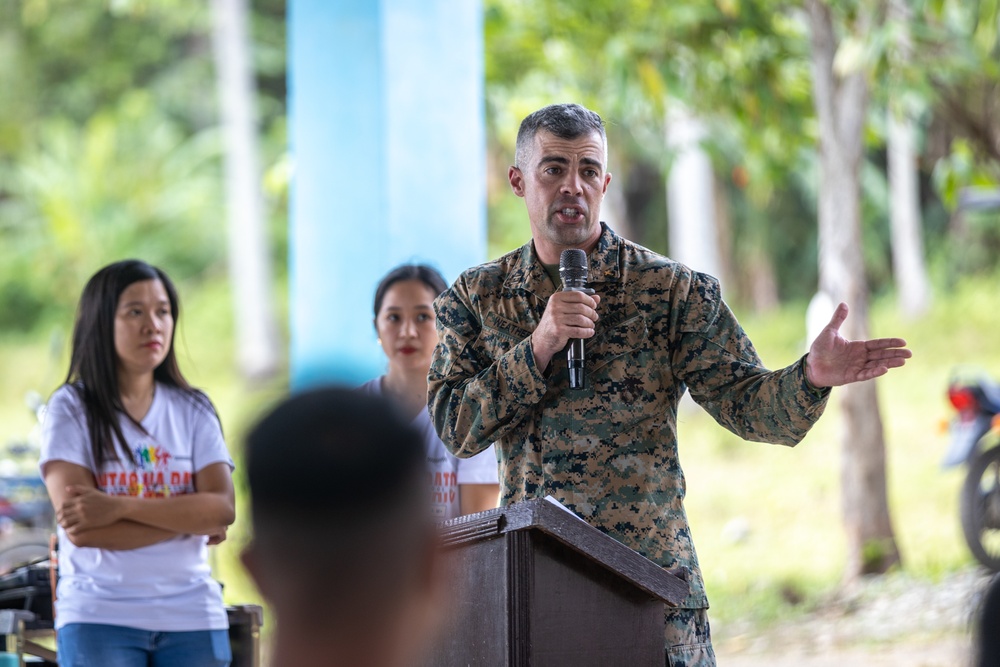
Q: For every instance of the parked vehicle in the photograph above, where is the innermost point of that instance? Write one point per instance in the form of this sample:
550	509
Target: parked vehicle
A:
975	442
26	515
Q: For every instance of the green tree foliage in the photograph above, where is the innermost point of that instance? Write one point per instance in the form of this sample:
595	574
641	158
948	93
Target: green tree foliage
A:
127	182
743	66
108	143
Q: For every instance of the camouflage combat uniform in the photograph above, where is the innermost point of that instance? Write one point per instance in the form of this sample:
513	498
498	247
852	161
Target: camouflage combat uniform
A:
609	451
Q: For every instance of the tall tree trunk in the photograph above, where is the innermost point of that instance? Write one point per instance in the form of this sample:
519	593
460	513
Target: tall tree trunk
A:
614	210
909	268
724	240
841	99
248	252
761	281
694	238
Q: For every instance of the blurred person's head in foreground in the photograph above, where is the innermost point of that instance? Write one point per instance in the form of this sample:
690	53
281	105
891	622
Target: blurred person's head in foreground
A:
352	576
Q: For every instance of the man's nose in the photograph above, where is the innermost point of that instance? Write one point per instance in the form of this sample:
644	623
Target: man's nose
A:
571	184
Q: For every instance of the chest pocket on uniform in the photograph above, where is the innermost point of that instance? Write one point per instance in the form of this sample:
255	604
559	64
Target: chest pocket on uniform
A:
624	334
499	335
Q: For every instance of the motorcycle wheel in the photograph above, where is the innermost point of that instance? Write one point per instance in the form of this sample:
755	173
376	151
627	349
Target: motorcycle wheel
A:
980	508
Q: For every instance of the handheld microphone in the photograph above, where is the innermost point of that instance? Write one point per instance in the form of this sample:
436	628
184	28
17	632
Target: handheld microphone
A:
574	272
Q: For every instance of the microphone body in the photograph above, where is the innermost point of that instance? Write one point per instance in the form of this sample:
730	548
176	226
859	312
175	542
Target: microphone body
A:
574	272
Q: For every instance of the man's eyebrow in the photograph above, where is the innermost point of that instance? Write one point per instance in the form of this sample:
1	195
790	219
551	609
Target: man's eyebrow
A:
558	159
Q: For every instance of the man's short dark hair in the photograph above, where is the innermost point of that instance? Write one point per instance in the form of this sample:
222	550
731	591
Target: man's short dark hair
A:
566	121
340	501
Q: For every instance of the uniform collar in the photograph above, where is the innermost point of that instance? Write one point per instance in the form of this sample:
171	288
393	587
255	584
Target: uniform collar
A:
528	273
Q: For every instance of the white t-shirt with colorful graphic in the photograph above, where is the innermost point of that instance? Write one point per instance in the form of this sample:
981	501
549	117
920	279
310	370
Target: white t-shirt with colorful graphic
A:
162	587
447	470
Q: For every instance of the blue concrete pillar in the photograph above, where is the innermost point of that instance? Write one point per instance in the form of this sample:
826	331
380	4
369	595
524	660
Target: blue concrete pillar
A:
388	141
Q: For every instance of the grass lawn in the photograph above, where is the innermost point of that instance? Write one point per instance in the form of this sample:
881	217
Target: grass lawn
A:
766	519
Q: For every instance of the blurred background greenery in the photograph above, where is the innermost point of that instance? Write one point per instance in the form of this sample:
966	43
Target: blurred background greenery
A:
110	148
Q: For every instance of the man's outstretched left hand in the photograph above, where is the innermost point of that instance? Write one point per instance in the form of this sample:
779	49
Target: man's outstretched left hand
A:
833	360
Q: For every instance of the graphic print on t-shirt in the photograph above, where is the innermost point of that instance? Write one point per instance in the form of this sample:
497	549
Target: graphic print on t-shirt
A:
157	474
444	485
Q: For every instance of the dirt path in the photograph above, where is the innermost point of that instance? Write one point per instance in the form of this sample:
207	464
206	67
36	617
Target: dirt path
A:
894	620
945	652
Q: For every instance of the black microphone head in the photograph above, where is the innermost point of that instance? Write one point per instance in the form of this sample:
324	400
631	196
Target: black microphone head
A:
573	266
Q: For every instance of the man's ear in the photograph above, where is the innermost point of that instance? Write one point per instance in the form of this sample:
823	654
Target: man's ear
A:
516	179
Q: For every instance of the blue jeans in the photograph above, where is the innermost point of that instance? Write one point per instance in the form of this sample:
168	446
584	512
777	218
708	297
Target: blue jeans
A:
99	645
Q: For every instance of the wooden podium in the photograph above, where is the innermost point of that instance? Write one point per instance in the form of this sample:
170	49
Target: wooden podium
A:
535	586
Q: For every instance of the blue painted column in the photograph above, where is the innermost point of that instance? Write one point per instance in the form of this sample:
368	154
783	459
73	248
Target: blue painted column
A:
388	141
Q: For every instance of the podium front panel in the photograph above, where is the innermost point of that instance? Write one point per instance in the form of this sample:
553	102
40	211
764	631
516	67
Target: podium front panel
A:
581	615
475	632
525	599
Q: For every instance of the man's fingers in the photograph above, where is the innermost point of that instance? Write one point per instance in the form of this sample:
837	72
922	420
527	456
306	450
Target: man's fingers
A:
895	344
888	353
873	373
591	300
577	326
573	296
576	315
884	363
839	315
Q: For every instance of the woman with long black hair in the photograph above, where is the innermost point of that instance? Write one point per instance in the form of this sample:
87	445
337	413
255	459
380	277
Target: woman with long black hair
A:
139	475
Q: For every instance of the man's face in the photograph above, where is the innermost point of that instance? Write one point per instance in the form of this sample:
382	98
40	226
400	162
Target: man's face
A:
563	182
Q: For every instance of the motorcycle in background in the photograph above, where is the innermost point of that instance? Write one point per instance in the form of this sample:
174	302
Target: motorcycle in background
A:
975	441
26	515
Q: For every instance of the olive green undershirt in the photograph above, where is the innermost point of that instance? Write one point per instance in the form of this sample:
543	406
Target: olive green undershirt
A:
553	271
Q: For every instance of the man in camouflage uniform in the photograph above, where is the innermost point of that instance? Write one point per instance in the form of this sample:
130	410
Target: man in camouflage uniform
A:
653	327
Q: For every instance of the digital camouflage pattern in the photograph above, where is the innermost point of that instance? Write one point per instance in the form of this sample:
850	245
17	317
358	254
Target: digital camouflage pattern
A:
609	451
688	638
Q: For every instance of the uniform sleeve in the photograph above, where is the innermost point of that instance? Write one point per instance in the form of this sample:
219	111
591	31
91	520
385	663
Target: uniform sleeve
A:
721	368
209	445
479	389
479	469
64	435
